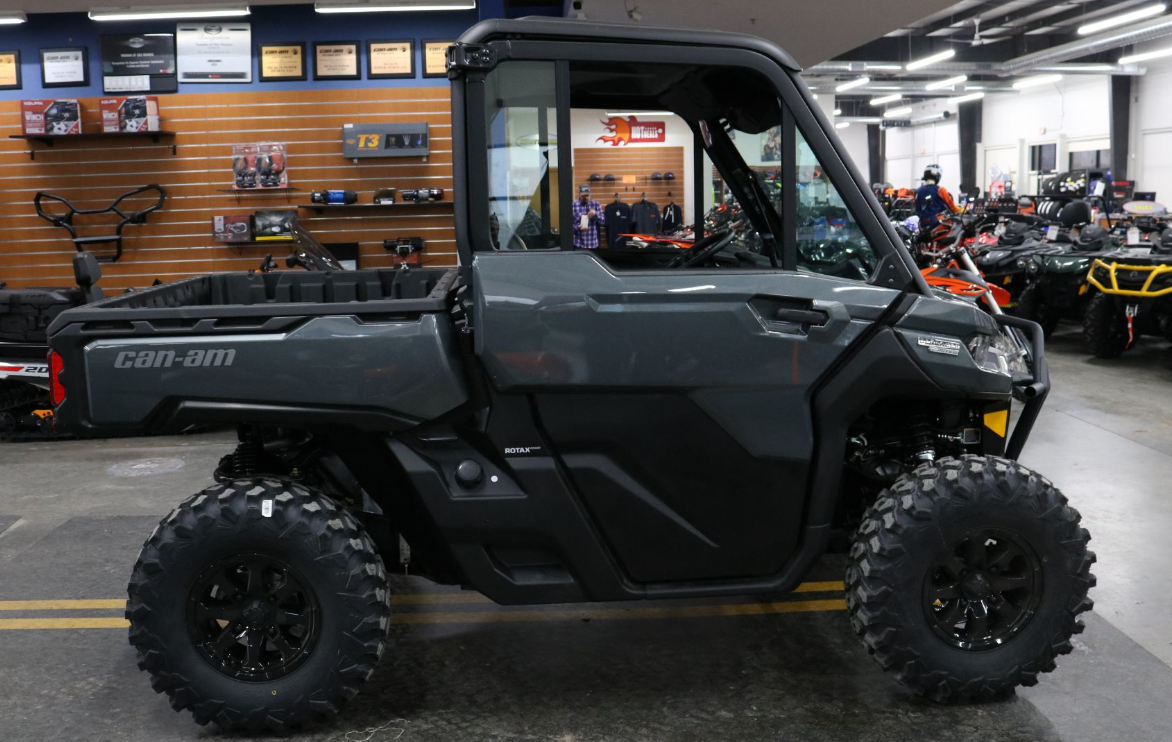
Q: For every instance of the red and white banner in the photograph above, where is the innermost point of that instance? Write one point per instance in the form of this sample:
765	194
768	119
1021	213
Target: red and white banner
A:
629	130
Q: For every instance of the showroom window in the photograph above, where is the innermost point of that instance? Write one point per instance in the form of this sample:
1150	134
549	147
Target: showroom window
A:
1091	159
1043	158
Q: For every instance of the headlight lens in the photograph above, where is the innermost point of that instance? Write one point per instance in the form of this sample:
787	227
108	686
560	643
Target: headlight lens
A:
999	354
1021	262
1033	266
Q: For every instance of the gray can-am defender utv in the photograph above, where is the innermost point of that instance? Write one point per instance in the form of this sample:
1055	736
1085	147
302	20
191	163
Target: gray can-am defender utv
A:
548	424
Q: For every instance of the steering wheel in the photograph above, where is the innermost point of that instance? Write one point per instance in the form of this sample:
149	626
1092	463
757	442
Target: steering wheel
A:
703	249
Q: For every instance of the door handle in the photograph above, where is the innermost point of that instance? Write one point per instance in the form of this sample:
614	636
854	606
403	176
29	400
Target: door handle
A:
813	317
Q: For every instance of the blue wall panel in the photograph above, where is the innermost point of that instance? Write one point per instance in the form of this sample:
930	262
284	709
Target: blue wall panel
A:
270	23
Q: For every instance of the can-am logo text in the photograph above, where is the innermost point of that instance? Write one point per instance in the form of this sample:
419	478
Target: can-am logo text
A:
197	358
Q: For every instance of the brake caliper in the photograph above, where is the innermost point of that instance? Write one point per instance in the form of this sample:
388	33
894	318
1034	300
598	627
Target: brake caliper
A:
1131	311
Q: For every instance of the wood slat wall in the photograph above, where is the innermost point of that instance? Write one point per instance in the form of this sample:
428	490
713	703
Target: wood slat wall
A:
176	242
637	162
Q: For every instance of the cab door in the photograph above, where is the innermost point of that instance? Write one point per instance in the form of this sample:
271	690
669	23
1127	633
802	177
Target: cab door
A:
677	400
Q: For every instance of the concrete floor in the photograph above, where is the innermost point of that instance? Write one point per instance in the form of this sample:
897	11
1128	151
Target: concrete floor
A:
73	515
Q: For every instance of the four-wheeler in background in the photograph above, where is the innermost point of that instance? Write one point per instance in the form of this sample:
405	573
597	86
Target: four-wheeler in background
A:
546	427
1056	285
26	313
1132	296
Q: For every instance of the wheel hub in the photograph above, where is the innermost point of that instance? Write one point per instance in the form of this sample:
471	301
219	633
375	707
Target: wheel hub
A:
983	590
252	617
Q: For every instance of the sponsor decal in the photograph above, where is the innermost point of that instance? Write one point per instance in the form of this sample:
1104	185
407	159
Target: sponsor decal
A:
522	450
940	345
195	358
24	369
621	132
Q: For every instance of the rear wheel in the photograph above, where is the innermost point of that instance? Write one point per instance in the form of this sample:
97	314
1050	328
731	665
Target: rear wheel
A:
257	604
967	576
1104	327
1032	305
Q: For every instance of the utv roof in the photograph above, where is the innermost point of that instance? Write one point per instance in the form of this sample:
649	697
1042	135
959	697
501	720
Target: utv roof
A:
571	30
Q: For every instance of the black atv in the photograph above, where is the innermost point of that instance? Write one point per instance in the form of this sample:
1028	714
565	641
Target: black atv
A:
1056	278
1131	296
1001	263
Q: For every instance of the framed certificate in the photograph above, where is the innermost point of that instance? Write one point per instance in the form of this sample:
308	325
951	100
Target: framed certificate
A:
10	70
387	60
281	62
435	58
214	52
336	60
65	67
138	63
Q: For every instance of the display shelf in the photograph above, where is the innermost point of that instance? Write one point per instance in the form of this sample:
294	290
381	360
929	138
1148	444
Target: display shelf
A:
49	139
319	208
238	192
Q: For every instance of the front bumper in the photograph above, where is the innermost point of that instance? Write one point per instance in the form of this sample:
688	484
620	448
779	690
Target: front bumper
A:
1031	389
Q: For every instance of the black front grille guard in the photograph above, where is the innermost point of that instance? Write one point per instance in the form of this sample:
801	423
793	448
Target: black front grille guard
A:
82	243
1030	390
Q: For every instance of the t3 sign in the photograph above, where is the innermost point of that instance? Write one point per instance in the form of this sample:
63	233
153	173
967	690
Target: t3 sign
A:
629	130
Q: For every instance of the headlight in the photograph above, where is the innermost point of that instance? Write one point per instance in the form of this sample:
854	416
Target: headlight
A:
998	354
1021	262
1033	267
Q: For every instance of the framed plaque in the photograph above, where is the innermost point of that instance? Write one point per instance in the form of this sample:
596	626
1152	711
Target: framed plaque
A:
435	58
336	60
10	70
281	62
387	60
133	63
214	52
65	67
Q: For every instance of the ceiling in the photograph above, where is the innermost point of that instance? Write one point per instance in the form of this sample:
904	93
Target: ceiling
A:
811	31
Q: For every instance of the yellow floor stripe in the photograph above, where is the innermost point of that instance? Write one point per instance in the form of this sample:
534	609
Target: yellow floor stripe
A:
61	605
820	587
606	614
63	623
450	598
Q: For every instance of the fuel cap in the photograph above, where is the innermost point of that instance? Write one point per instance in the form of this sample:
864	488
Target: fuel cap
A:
469	474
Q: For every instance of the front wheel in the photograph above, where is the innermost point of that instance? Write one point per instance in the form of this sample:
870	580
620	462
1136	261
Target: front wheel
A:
1032	305
257	604
1104	327
966	578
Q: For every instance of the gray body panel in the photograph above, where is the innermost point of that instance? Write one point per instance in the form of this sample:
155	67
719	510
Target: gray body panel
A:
565	321
955	320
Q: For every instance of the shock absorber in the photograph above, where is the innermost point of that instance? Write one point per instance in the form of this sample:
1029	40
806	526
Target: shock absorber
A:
923	440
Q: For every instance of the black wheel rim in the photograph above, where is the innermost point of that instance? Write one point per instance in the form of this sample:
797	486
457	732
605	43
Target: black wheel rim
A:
983	590
252	617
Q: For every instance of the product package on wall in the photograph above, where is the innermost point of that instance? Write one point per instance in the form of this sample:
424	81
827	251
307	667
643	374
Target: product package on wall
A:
259	166
136	113
51	117
385	140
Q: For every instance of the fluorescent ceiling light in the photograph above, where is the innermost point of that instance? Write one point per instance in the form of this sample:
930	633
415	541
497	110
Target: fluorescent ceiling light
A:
1087	68
11	17
815	96
838	112
1145	56
140	13
883	66
621	114
927	61
966	98
1033	82
949	83
394	6
896	112
858	82
1119	20
842	124
886	99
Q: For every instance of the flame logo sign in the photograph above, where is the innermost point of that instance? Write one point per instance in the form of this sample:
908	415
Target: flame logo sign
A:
620	131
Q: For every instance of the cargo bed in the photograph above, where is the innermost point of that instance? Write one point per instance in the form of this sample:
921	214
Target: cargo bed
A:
371	348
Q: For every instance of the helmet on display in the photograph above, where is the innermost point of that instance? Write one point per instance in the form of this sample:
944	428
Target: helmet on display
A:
657	176
608	178
669	176
933	173
595	177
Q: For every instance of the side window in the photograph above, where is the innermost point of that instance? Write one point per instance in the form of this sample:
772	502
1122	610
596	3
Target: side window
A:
522	159
829	240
